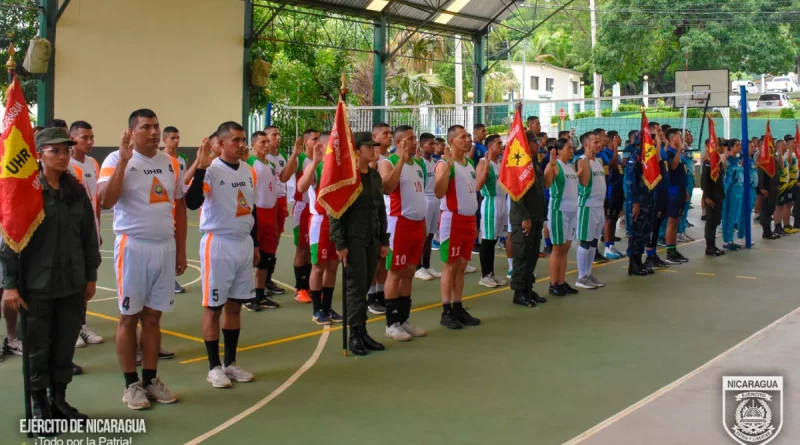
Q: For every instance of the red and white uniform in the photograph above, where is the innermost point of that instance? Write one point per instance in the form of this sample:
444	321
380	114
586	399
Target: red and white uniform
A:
319	229
280	162
406	216
226	249
266	204
457	230
144	224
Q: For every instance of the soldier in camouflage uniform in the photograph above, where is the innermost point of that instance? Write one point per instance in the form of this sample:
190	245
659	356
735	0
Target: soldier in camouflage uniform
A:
640	201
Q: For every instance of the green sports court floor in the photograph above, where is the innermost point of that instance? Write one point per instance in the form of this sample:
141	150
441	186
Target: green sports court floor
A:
541	375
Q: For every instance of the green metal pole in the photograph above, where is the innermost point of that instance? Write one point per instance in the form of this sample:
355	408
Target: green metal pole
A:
45	93
248	33
479	57
379	69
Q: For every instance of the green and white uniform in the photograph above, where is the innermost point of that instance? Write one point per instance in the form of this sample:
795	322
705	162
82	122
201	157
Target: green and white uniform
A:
590	204
494	213
563	210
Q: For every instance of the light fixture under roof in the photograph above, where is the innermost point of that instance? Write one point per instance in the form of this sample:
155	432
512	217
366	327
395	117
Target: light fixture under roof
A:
377	5
454	7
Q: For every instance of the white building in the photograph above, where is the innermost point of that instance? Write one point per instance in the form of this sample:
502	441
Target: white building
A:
542	81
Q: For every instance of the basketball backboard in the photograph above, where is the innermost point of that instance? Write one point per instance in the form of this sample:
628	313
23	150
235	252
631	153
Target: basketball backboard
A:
703	83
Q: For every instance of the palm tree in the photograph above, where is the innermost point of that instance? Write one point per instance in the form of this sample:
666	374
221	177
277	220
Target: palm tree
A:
409	88
499	84
535	49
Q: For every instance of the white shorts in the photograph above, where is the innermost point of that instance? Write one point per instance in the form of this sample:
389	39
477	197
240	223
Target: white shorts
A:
590	223
432	214
562	226
145	273
494	217
226	266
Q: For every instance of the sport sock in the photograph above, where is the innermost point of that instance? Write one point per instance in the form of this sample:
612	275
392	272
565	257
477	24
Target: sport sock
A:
130	378
148	375
327	298
316	300
212	349
231	337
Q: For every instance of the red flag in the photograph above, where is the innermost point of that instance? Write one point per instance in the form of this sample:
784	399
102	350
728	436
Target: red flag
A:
516	169
340	181
766	156
651	171
797	140
713	150
21	202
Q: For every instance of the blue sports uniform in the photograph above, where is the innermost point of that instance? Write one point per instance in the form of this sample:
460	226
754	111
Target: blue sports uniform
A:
732	205
676	191
637	192
688	162
744	217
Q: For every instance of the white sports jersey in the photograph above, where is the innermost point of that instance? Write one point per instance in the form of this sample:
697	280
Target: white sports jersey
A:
302	162
87	173
430	177
145	209
315	208
280	162
228	208
564	189
267	176
408	198
460	197
594	194
492	187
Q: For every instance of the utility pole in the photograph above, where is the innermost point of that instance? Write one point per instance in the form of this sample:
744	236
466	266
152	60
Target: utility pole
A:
596	78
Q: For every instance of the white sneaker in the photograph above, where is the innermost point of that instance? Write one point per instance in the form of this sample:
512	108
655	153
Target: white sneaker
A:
234	372
136	397
413	330
434	273
682	238
470	269
740	242
689	237
487	281
218	378
89	336
422	274
397	333
157	391
79	343
595	281
500	282
585	283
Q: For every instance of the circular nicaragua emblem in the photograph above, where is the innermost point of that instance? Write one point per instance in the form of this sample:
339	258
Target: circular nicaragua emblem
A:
158	189
242	202
753	417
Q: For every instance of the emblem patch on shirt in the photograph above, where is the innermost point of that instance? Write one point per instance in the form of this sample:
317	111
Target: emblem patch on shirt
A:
242	207
158	193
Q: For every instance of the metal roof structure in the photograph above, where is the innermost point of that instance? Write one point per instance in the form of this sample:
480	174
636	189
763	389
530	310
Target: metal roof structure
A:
464	17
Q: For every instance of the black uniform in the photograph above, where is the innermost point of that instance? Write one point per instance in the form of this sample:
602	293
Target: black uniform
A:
714	190
768	203
361	230
61	257
525	248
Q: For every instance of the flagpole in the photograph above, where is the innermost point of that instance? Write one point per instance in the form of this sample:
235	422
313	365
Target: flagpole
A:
343	96
11	65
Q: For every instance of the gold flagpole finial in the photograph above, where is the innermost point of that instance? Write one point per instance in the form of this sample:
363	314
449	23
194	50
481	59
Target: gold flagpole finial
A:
343	88
11	64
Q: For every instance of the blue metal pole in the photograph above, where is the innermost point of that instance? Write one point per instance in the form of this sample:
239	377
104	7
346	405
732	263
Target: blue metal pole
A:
746	156
269	114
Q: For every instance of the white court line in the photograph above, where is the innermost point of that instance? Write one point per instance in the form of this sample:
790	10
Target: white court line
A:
103	299
616	417
278	391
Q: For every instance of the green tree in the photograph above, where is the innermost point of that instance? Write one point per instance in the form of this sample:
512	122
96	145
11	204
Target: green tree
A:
18	26
644	37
